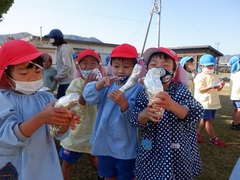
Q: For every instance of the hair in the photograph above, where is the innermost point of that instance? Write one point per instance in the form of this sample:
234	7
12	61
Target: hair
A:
121	59
190	60
58	41
50	59
164	56
38	61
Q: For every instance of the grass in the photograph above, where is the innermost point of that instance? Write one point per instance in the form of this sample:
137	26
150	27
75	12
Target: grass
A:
217	162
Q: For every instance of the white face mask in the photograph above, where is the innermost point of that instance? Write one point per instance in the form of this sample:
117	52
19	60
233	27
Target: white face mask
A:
51	40
27	87
207	71
85	72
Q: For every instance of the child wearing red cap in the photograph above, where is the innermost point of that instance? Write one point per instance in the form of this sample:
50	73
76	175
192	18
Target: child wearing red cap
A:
77	143
168	147
82	72
114	140
27	150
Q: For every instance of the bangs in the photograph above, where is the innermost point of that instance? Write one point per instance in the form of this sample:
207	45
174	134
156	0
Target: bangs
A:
38	63
134	60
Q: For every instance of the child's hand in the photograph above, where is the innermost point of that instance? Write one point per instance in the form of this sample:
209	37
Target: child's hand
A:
163	100
222	83
118	97
107	81
91	77
73	120
58	116
221	86
150	113
140	80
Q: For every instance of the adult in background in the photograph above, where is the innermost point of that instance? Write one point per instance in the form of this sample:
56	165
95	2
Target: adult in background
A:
65	63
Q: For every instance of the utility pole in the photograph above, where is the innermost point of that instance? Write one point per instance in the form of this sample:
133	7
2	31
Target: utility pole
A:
156	8
217	44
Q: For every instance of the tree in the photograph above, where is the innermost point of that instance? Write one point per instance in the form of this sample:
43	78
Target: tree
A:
4	7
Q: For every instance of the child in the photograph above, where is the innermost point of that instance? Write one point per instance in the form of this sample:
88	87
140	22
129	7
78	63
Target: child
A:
234	62
27	151
187	63
75	56
207	84
114	140
78	72
168	147
77	142
49	73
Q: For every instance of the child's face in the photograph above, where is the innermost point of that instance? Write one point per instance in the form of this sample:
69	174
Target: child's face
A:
88	63
208	67
47	64
189	64
122	67
22	73
161	62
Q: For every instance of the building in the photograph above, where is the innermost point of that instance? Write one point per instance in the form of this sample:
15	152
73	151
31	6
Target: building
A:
196	52
105	49
44	45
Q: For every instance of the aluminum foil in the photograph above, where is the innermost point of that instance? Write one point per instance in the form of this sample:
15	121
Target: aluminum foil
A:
153	84
133	79
68	101
97	71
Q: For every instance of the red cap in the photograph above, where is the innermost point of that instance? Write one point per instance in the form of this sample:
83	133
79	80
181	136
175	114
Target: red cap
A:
88	52
169	52
150	51
124	51
16	52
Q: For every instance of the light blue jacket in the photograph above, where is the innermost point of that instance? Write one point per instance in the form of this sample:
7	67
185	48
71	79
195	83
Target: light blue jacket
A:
35	157
113	135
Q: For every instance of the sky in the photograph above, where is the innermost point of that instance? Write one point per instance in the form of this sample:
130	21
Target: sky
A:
182	22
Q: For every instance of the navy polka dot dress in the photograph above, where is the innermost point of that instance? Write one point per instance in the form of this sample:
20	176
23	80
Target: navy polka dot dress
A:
168	149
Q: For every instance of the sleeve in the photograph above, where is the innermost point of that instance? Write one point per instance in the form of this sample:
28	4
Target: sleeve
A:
140	105
199	82
131	98
76	86
10	135
185	98
91	94
66	60
62	136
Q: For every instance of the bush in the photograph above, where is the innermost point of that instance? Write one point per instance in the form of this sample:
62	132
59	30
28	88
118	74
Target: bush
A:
224	70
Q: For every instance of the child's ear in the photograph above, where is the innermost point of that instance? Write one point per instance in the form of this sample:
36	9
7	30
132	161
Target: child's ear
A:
4	81
5	78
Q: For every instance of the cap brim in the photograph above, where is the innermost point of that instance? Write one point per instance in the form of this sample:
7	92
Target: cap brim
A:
208	64
30	57
97	58
27	58
48	36
235	67
149	52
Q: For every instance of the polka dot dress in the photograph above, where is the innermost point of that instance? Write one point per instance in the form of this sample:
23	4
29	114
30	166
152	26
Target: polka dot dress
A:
168	149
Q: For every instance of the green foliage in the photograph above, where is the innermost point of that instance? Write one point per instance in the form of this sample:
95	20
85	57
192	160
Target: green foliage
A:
224	70
4	7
